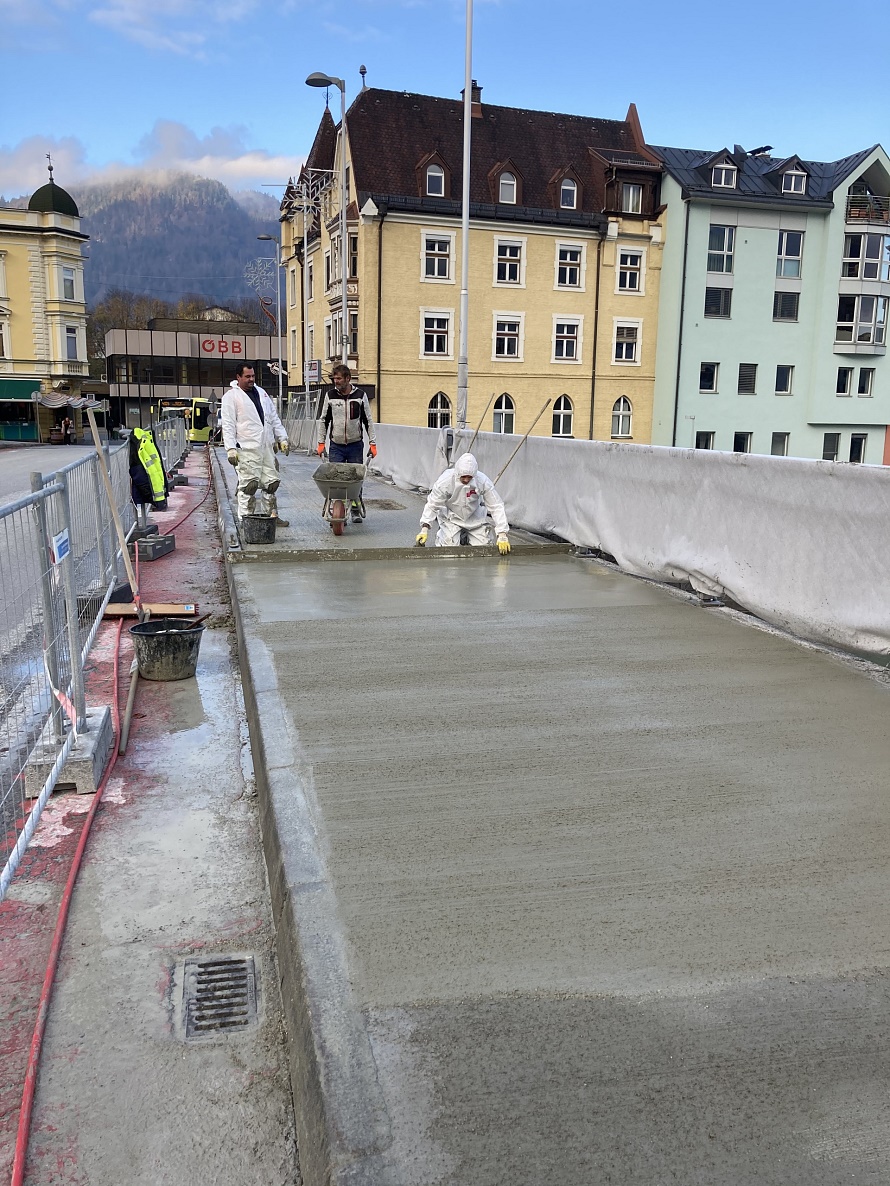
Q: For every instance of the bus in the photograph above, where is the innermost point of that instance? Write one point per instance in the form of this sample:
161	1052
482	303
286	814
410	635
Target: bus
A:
195	412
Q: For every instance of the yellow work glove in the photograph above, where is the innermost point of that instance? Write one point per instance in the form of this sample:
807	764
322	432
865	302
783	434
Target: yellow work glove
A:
232	455
503	545
420	541
284	447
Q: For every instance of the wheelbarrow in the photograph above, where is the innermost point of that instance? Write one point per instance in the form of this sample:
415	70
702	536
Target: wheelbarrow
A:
341	485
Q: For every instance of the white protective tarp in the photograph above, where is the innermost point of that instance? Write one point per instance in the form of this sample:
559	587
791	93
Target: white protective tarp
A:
799	543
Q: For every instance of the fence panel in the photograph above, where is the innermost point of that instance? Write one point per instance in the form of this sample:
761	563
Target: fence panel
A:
60	560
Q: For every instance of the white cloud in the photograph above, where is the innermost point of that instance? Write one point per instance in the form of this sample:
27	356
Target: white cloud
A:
171	26
170	147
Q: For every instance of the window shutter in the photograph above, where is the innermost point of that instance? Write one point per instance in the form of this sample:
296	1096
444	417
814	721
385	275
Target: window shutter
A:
747	378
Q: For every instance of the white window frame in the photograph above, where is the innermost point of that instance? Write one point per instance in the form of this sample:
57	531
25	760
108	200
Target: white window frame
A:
292	287
847	390
502	181
5	344
637	323
797	179
789	390
858	436
3	292
630	250
728	176
748	440
855	266
428	312
562	413
874	328
511	411
352	332
71	334
578	321
783	438
709	390
440	174
66	274
519	318
869	372
329	344
570	245
293	346
727	252
520	241
439	411
620	413
705	435
328	270
631	197
433	233
564	185
783	258
310	280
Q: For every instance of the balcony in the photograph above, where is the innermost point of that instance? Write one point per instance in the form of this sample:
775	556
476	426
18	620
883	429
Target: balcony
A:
868	208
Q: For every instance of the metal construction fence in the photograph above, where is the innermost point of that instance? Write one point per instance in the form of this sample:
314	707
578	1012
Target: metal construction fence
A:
300	419
60	561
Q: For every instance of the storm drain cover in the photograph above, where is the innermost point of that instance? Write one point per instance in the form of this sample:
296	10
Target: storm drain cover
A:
219	995
383	504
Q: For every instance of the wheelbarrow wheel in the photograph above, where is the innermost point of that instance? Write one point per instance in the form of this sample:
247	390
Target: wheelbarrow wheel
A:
338	516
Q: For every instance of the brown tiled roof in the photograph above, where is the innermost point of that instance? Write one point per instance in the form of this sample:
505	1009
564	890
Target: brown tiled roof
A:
391	132
324	146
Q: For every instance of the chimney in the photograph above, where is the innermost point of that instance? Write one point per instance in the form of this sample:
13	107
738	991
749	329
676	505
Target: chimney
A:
475	99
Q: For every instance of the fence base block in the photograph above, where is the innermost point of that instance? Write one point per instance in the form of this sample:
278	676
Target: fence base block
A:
180	480
144	532
156	547
86	763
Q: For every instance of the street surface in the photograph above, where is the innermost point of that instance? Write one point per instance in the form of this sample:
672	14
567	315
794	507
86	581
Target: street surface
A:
16	466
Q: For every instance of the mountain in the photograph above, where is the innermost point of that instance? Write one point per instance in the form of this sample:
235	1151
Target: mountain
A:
169	236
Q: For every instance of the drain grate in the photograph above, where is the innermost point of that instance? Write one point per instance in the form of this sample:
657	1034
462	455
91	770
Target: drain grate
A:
219	995
384	504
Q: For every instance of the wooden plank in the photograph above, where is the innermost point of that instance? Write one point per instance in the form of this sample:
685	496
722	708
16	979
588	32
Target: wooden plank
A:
158	609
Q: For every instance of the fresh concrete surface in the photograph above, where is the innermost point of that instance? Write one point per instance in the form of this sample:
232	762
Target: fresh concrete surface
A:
601	876
392	522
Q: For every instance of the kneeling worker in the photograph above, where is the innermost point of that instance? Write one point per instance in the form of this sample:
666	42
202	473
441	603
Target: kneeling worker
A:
251	431
461	499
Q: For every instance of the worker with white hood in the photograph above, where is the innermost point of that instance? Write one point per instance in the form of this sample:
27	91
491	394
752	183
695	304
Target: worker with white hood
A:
251	431
461	499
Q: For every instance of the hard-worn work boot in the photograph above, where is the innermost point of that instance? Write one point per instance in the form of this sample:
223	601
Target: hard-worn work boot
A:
273	511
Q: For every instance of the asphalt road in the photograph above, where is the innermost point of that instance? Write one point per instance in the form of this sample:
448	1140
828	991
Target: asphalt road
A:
16	466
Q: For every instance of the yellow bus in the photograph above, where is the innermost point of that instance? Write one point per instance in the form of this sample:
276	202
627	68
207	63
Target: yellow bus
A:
195	412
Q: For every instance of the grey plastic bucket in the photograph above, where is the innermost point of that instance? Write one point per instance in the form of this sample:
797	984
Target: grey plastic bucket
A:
258	529
165	649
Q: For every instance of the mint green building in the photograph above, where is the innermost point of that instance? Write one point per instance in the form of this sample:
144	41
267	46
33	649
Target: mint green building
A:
775	285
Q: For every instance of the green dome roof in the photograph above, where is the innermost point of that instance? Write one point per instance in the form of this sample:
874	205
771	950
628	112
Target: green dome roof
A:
52	199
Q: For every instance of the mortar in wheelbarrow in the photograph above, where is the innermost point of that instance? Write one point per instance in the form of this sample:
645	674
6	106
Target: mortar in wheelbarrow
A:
167	648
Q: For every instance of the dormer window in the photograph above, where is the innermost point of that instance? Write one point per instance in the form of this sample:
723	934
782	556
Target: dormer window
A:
631	198
568	194
435	181
723	176
507	189
794	181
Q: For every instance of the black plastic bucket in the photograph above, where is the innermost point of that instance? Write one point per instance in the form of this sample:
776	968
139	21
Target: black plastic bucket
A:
166	649
258	529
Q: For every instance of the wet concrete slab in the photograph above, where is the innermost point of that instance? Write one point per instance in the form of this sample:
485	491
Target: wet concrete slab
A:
609	871
392	522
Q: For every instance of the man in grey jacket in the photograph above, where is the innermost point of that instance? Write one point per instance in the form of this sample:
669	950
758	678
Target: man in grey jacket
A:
344	420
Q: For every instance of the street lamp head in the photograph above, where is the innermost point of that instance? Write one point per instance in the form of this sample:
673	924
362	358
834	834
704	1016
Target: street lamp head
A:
267	238
319	79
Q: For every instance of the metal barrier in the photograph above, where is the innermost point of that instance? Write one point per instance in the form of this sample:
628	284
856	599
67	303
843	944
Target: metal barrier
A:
59	558
172	437
300	421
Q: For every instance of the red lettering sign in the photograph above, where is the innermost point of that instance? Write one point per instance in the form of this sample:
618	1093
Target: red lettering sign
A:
208	345
223	347
236	347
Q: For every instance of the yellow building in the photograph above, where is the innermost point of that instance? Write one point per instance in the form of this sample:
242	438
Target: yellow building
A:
565	256
43	344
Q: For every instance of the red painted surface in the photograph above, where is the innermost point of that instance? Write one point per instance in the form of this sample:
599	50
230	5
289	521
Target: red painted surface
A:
28	915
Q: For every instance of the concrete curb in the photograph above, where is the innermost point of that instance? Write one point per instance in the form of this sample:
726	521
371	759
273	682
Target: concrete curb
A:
343	1127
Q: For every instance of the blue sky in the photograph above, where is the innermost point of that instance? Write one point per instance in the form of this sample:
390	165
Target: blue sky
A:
217	88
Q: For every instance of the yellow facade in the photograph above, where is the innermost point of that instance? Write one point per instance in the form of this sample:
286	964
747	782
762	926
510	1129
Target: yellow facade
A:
42	315
560	291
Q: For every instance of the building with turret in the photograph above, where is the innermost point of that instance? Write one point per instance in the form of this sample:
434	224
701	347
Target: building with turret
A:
43	347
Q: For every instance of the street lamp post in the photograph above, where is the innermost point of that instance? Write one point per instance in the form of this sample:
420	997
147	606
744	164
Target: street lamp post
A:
463	368
277	242
326	80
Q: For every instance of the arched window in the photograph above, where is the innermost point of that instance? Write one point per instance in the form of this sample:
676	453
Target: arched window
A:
562	417
568	194
504	414
507	189
439	411
622	417
435	181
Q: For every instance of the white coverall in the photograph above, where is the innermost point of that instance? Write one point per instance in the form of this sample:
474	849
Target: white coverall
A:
460	507
243	430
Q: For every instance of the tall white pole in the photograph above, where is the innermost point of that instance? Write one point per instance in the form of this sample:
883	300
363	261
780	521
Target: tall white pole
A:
344	245
462	354
305	286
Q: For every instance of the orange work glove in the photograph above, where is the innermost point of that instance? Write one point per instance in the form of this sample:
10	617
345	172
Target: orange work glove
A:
372	449
320	449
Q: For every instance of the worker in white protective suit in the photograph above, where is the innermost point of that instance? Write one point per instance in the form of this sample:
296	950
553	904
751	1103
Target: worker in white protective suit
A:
462	499
251	432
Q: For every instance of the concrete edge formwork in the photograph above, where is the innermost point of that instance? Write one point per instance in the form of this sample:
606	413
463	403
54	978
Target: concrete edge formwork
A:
343	1126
